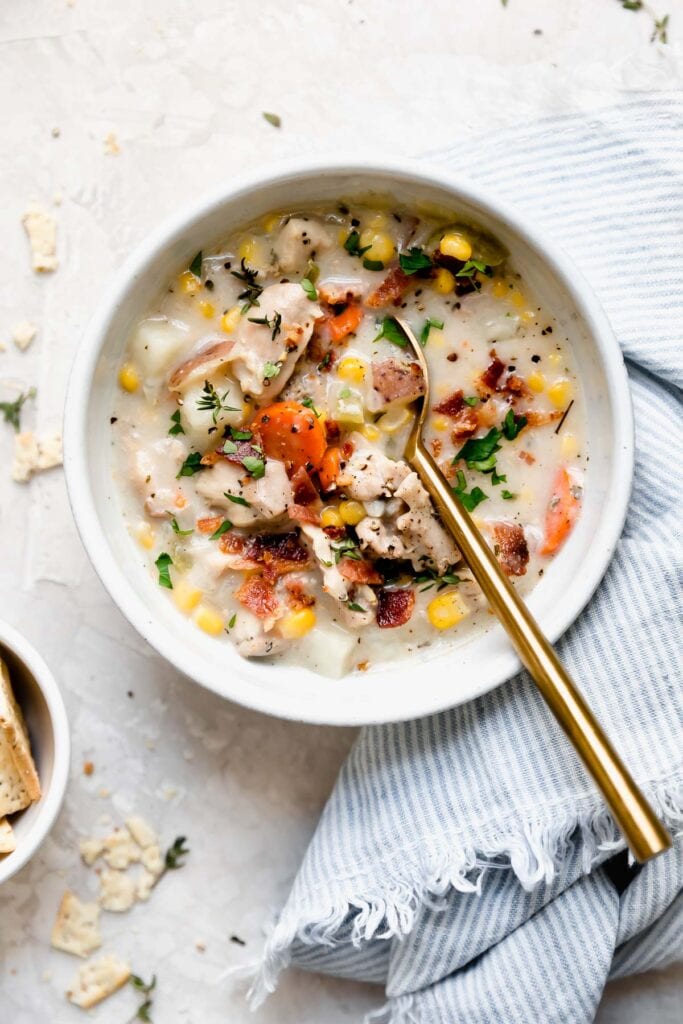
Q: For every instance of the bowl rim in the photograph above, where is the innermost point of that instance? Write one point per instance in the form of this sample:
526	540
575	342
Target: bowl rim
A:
50	803
81	497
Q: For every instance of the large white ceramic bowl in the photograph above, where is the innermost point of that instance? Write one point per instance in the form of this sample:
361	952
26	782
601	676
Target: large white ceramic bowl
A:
425	682
41	702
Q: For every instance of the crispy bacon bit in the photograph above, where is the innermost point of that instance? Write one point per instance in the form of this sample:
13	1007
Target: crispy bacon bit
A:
512	550
396	381
305	514
437	445
335	532
332	431
491	375
297	597
394	607
359	571
392	289
534	418
210	524
347	449
363	666
452	405
465	424
303	488
258	596
515	385
528	458
232	543
284	551
210	458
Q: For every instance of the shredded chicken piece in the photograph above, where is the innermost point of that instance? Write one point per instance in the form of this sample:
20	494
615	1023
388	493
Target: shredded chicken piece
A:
423	534
333	582
369	474
267	498
157	488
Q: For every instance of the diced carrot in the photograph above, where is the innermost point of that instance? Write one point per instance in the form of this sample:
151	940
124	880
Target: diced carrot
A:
291	433
210	524
345	322
563	509
329	470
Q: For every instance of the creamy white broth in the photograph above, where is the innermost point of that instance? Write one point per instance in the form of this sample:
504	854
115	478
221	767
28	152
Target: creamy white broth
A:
287	603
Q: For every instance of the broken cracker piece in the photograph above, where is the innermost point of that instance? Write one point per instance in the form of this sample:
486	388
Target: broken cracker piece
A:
153	861
8	843
98	980
145	883
143	833
19	782
23	334
111	145
41	229
117	891
76	929
120	849
34	454
91	850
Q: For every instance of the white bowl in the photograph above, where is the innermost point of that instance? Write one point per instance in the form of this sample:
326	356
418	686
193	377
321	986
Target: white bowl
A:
419	684
41	703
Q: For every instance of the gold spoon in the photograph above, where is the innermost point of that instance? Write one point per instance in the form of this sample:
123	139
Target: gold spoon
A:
644	833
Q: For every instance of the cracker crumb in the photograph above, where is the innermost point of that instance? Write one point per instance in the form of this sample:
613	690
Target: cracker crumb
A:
117	891
120	849
23	334
111	145
91	850
76	929
88	767
34	454
141	831
41	228
200	946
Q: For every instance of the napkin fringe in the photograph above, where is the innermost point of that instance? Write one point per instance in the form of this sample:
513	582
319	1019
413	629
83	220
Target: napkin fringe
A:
535	851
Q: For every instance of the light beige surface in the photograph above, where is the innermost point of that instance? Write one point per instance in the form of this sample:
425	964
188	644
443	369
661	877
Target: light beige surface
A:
181	86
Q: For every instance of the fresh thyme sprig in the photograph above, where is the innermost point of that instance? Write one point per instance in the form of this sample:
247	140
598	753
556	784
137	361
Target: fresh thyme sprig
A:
275	324
175	854
12	410
252	291
432	579
211	401
145	990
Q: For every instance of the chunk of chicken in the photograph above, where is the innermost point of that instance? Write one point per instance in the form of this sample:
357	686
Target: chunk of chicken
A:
369	474
268	498
154	471
250	638
300	240
265	354
380	539
333	581
423	534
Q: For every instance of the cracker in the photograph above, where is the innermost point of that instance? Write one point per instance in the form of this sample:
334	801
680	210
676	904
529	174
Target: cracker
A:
17	749
117	891
8	843
76	929
98	980
142	832
120	849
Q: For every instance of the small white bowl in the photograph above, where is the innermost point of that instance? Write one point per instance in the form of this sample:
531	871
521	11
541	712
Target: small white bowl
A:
41	702
435	678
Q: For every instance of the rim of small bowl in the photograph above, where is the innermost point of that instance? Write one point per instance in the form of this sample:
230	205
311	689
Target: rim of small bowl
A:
50	803
171	230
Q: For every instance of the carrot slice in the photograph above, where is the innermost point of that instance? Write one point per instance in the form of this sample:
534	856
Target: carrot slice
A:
291	433
345	322
330	467
563	510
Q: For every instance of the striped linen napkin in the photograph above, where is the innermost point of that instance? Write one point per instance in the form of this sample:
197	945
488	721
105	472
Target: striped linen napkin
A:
465	860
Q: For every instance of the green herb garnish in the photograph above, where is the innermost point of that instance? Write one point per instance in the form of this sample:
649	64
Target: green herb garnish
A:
211	401
275	324
479	449
309	288
237	499
307	401
471	267
273	119
432	579
507	495
233	620
660	30
353	607
12	410
191	465
196	265
392	331
175	853
325	361
372	265
428	324
346	548
177	427
498	478
223	528
345	392
471	401
413	261
256	467
163	564
513	424
473	498
240	435
353	246
176	529
271	370
145	990
252	290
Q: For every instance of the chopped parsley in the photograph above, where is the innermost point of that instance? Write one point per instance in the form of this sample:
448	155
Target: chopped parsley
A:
252	291
12	410
237	499
325	361
196	265
345	392
275	324
478	450
273	119
353	607
372	265
428	324
223	528
513	424
177	427
271	370
163	564
471	401
470	499
176	529
507	495
414	261
353	246
211	401
309	288
240	435
233	620
191	465
498	478
392	331
256	467
471	267
175	853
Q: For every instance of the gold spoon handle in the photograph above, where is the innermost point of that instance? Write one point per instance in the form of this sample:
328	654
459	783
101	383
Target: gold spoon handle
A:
644	833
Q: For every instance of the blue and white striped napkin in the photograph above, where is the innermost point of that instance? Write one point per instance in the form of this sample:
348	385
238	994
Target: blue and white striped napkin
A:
462	860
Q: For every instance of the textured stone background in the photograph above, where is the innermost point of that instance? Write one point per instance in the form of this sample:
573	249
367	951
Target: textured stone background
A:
182	85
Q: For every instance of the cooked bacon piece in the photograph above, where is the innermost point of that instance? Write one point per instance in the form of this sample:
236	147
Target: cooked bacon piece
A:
335	532
392	289
491	375
232	543
258	596
332	431
534	418
397	381
280	553
437	445
452	405
359	571
394	607
303	488
512	550
305	513
214	354
515	385
297	597
210	458
347	449
466	419
210	524
528	458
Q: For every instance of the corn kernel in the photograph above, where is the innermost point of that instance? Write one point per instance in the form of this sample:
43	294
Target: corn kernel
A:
378	221
209	620
342	235
230	320
188	283
455	244
330	516
516	298
207	309
569	446
296	624
351	512
145	535
352	369
447	610
555	358
248	249
536	381
369	432
128	377
528	316
439	423
381	245
186	597
560	392
392	421
443	282
499	289
271	222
